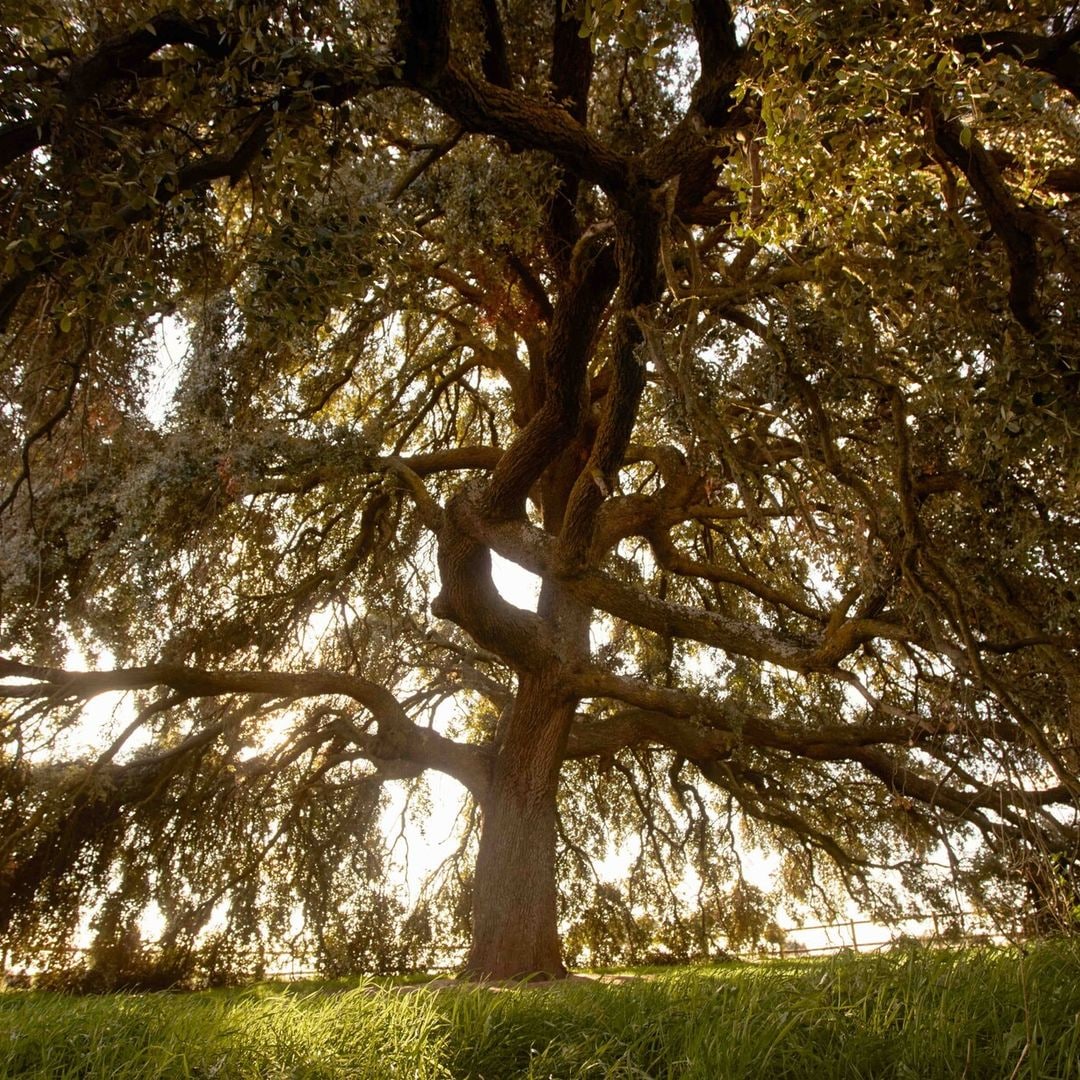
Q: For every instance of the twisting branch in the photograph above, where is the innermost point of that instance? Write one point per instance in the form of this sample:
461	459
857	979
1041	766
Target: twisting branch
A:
120	59
560	386
398	737
571	76
1056	54
1016	228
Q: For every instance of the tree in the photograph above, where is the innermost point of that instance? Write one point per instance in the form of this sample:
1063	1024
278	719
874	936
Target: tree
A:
750	331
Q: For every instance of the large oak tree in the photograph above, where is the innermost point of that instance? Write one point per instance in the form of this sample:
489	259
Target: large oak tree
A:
751	331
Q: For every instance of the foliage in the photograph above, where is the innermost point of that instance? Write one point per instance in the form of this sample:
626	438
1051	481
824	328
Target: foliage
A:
750	330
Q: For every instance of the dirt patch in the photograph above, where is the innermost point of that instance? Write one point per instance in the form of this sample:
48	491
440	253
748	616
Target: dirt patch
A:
500	985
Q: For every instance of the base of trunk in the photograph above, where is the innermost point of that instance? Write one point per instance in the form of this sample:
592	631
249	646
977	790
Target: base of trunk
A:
515	931
515	970
515	923
479	978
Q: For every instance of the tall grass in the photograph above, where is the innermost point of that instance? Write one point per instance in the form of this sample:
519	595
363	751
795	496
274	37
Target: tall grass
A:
912	1014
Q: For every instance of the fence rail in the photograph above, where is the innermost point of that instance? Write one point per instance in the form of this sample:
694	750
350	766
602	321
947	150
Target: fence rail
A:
817	939
953	927
857	935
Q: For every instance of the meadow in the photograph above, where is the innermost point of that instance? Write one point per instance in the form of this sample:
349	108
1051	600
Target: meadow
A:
912	1013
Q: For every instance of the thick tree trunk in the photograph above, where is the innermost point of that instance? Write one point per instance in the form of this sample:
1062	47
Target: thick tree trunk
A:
515	923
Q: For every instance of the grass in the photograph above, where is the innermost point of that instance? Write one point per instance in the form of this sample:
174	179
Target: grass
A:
911	1014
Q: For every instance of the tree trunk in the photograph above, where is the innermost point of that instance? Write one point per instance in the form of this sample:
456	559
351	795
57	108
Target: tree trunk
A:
515	922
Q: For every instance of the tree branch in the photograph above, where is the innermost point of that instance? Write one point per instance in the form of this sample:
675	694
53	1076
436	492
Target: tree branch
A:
399	737
495	63
118	59
560	387
1055	54
535	551
1014	227
526	122
424	39
571	76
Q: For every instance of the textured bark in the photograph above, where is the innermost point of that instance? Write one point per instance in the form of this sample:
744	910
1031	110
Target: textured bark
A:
515	923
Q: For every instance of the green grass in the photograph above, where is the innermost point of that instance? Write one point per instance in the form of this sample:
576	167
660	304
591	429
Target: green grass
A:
913	1014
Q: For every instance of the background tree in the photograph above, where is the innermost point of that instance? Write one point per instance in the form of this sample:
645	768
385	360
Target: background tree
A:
752	332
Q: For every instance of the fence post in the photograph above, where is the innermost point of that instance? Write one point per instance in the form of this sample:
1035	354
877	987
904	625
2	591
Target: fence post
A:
854	938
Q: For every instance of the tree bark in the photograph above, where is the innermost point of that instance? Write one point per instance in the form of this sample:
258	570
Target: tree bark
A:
515	921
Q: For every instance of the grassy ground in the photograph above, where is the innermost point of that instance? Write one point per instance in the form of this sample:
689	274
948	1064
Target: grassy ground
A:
912	1014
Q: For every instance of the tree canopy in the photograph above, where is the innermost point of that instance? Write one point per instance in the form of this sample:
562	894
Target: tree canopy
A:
749	330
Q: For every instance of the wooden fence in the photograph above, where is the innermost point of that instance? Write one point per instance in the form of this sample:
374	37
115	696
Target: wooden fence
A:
868	935
818	939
